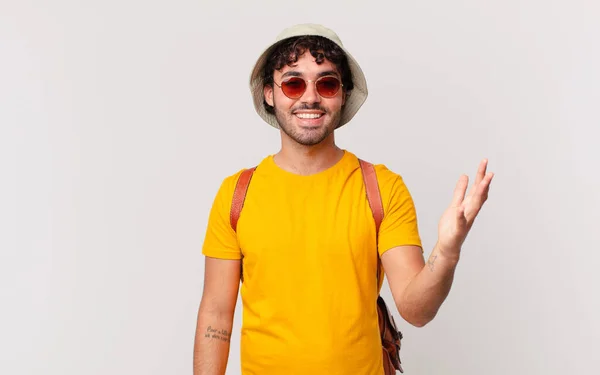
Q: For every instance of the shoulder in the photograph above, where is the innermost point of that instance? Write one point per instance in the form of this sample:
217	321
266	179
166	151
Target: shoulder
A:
391	183
386	177
231	180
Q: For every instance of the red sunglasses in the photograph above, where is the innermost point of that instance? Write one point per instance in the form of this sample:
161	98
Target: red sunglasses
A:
294	87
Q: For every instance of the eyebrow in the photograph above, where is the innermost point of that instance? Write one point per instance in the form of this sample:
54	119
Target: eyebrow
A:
293	73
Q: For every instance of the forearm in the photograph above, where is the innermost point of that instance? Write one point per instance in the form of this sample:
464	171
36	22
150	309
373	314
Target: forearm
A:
428	289
212	342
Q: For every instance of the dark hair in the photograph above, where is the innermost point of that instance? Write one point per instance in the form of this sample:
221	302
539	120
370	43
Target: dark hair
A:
287	52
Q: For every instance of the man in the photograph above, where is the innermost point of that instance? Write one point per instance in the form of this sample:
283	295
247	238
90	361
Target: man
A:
305	246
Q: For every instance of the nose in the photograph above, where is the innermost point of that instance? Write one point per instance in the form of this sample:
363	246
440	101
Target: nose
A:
311	95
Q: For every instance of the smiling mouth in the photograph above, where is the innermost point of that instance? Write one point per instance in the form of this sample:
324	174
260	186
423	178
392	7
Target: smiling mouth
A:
309	115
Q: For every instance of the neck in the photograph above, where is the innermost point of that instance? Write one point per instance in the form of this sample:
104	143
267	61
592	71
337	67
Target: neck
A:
307	160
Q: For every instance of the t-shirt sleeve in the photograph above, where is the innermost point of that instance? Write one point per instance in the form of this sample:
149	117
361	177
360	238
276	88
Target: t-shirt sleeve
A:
220	240
399	226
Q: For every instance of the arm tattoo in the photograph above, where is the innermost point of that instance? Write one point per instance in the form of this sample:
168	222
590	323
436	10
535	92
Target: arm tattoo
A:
217	334
431	262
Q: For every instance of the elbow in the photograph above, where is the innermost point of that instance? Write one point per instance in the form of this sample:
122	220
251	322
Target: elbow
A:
417	319
419	323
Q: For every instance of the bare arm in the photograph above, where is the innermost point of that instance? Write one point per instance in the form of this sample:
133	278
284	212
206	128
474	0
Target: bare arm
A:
419	289
215	316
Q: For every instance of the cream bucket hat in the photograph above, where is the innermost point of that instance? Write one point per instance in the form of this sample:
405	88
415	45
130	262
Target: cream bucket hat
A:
353	102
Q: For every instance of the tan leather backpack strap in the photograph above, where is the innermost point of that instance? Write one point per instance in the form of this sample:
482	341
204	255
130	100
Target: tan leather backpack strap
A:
375	202
239	195
373	195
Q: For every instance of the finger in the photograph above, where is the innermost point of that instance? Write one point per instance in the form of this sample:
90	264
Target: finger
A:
480	197
460	189
482	190
487	182
484	186
481	171
479	175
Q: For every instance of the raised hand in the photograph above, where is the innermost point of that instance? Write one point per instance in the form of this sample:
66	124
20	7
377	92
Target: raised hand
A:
457	220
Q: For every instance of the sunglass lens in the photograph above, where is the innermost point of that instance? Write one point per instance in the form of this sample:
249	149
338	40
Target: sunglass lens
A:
328	86
294	87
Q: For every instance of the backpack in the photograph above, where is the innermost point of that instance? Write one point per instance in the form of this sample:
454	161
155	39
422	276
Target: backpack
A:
390	335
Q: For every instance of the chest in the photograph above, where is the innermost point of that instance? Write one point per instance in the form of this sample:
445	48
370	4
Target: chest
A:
316	226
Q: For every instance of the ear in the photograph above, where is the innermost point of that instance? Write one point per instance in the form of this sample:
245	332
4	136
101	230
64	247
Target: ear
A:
345	95
268	93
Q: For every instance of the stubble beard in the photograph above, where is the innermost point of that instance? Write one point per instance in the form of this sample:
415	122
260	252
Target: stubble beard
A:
307	137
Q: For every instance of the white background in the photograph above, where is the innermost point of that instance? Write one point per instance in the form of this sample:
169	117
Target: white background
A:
119	120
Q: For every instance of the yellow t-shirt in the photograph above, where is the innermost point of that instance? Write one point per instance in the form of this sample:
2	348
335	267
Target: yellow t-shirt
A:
310	266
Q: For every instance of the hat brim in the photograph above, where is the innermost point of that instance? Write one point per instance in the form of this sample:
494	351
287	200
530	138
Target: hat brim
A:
355	99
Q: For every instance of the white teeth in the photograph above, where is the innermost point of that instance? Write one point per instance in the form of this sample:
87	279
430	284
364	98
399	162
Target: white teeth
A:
309	115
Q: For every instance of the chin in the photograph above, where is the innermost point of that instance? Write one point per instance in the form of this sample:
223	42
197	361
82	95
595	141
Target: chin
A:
303	133
311	137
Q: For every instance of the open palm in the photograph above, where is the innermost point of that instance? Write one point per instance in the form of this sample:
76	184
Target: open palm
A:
457	220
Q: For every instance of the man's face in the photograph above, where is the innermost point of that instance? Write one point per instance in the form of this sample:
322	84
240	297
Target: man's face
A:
311	118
